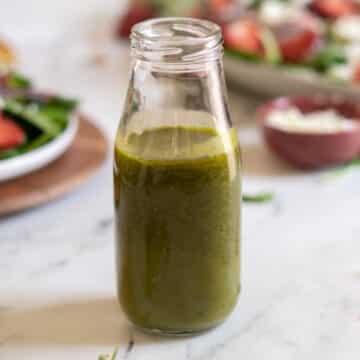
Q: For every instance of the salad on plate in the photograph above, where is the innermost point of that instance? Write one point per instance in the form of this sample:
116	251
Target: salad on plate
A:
29	119
318	36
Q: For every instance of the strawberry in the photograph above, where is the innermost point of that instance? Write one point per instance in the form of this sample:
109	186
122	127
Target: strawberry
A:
356	75
295	40
134	15
218	5
334	8
244	35
11	135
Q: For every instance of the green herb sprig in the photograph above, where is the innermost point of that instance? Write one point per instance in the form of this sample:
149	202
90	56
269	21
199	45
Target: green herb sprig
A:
109	356
17	81
262	197
329	56
42	119
343	170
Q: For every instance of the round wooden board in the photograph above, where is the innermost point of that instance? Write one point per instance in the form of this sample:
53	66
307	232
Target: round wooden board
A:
80	161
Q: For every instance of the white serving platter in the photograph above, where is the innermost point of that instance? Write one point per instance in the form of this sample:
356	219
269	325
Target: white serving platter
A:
274	81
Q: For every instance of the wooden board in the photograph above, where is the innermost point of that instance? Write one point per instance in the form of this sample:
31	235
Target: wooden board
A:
81	160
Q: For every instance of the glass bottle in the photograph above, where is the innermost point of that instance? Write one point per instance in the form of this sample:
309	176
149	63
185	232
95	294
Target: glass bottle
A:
177	182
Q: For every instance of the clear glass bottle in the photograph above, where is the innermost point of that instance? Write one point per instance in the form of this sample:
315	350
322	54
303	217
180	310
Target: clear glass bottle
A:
177	182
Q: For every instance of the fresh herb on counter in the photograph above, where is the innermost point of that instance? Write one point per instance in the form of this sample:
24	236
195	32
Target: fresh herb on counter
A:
108	356
342	170
262	197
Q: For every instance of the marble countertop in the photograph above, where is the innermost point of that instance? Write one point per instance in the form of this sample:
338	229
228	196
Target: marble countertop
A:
300	253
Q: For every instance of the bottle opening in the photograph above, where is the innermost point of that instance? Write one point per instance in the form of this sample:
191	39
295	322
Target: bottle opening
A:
176	40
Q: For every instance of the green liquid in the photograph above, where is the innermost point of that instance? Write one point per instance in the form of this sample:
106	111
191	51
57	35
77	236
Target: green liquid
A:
177	200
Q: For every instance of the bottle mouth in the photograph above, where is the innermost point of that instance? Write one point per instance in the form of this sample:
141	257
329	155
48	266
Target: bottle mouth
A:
176	40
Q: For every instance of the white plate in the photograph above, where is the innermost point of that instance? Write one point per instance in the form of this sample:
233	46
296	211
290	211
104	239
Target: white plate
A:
38	158
275	81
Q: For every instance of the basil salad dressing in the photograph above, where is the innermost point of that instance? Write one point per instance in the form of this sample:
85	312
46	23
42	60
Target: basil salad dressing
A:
177	186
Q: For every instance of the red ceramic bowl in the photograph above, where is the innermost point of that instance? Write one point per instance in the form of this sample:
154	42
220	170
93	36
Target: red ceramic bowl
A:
312	150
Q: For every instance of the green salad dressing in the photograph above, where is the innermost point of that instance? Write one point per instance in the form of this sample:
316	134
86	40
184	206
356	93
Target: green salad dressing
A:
177	200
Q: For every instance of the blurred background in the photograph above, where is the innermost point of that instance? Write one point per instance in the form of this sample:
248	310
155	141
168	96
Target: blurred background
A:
68	47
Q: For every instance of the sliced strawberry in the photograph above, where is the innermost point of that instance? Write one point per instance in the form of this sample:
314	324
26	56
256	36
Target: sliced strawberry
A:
11	135
356	75
134	15
295	40
218	5
244	35
334	8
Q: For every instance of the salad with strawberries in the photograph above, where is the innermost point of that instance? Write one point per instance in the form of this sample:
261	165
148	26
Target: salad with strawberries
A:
28	118
322	36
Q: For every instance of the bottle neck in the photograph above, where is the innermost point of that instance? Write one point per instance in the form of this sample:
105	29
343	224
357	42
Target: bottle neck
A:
177	72
176	44
164	69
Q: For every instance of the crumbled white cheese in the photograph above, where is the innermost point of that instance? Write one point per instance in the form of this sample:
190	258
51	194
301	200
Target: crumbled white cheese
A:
274	12
348	28
352	52
343	72
301	3
293	120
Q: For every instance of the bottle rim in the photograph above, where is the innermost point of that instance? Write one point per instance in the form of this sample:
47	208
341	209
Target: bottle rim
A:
176	40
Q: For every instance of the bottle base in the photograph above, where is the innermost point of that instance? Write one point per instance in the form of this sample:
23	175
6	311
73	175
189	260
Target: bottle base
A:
175	333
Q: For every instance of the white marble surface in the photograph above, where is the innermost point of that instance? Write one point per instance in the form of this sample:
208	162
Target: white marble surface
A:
301	269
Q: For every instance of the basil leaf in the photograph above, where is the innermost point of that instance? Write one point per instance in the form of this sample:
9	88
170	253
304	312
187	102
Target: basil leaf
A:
7	154
59	109
27	147
31	114
327	57
18	81
262	197
62	103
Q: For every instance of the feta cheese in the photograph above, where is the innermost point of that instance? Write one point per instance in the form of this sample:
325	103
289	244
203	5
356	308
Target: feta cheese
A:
352	52
342	72
302	3
274	12
348	28
317	122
